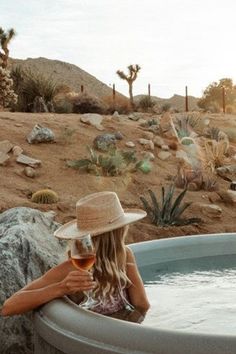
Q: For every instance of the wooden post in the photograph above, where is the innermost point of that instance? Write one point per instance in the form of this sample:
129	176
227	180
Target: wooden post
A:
113	92
82	88
149	91
223	98
186	98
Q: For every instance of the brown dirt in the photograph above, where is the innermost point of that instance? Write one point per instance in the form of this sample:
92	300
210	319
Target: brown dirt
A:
16	188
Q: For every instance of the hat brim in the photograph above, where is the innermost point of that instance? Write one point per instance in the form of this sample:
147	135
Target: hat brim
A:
70	230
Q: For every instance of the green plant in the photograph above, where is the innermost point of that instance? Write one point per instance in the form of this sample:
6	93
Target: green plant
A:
165	107
133	71
28	85
45	196
169	211
112	163
67	135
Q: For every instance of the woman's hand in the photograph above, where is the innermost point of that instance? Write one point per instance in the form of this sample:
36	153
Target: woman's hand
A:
76	281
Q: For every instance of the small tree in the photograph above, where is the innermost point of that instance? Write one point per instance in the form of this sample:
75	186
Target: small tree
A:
5	38
130	78
212	96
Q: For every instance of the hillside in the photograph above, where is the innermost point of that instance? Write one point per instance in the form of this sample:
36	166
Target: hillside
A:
65	73
16	188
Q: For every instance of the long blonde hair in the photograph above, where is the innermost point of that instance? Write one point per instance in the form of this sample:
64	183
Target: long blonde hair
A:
110	267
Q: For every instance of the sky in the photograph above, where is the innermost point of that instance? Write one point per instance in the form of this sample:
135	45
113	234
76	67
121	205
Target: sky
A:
176	42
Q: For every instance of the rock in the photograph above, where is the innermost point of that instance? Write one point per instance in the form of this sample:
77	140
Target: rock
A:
130	144
165	147
148	135
5	146
182	156
147	155
158	141
29	172
228	196
227	172
39	105
27	250
40	134
26	160
148	143
233	186
116	115
164	155
17	150
118	135
142	122
104	142
167	126
133	116
211	210
93	119
3	158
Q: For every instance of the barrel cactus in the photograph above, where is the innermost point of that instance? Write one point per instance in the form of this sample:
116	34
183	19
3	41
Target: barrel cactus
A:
45	196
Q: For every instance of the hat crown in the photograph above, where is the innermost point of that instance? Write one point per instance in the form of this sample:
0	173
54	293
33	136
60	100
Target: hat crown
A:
97	210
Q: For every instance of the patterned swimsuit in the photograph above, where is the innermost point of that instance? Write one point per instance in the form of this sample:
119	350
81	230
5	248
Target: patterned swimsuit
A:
108	306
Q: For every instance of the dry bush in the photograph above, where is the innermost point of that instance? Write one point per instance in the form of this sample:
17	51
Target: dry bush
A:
187	178
215	153
62	104
86	103
120	104
231	133
145	104
230	109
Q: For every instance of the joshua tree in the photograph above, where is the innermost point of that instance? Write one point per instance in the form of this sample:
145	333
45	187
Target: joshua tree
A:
5	38
130	78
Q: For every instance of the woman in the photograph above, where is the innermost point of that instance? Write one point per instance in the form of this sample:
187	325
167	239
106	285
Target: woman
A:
117	282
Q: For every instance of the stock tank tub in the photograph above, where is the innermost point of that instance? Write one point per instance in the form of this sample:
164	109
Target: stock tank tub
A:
63	327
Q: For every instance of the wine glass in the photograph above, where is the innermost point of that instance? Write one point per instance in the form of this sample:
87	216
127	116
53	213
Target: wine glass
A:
83	257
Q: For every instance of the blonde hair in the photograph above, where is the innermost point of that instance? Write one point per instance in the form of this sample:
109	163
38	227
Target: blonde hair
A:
110	267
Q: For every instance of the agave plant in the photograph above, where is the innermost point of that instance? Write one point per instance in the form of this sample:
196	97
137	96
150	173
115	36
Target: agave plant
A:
169	211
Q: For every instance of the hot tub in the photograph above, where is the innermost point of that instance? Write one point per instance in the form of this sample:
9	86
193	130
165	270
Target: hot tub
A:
62	327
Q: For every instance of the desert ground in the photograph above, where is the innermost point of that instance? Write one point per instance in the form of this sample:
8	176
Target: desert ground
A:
16	188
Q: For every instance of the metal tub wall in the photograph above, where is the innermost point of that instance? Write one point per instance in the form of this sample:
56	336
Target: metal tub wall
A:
63	327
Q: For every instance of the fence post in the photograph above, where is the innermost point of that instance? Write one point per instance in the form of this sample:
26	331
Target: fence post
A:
82	88
113	93
186	98
223	98
149	91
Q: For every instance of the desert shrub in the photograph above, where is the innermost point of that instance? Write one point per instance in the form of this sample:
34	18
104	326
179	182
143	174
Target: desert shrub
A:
215	153
28	85
67	135
120	104
169	210
186	178
112	163
231	133
85	103
230	109
145	104
165	107
63	105
214	107
7	95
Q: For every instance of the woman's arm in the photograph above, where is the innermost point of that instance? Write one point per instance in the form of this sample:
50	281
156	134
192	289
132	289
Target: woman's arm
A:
57	282
136	290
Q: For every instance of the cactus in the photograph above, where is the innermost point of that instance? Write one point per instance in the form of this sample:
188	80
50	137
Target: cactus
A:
112	163
5	38
169	211
45	196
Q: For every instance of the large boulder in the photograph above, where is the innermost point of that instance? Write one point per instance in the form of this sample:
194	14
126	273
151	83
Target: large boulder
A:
27	250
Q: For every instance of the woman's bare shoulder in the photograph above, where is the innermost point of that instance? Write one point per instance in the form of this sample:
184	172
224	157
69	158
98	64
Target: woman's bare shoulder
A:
129	255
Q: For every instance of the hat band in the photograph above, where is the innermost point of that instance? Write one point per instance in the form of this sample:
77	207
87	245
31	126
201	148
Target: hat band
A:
91	224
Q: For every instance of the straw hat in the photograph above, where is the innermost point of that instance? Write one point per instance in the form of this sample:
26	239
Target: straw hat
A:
98	213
